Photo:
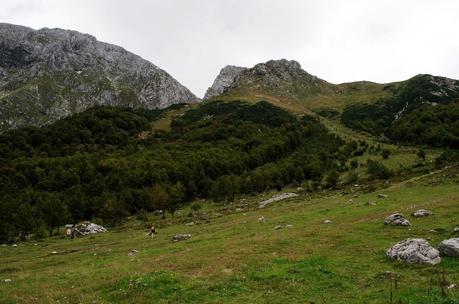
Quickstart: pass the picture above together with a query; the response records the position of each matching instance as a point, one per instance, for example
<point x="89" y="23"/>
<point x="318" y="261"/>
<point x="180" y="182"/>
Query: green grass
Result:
<point x="232" y="258"/>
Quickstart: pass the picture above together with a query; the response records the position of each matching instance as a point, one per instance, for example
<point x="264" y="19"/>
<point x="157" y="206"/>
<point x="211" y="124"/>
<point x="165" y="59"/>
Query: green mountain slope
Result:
<point x="383" y="110"/>
<point x="108" y="162"/>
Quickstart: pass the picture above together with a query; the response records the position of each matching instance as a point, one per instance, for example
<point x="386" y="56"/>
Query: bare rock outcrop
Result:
<point x="224" y="80"/>
<point x="276" y="198"/>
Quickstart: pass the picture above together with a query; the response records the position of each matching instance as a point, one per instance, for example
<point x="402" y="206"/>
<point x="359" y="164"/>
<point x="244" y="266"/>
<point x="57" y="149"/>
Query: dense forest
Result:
<point x="107" y="163"/>
<point x="421" y="111"/>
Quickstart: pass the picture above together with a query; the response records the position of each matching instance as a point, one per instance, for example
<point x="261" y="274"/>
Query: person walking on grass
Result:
<point x="152" y="231"/>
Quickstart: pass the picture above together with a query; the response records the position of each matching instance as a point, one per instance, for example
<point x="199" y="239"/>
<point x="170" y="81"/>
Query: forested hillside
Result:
<point x="422" y="110"/>
<point x="107" y="163"/>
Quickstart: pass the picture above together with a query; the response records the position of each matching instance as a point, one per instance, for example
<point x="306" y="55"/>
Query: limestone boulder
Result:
<point x="414" y="251"/>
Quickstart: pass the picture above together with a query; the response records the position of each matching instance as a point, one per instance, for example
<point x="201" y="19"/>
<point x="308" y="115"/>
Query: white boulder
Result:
<point x="414" y="251"/>
<point x="396" y="219"/>
<point x="181" y="237"/>
<point x="86" y="228"/>
<point x="449" y="247"/>
<point x="421" y="213"/>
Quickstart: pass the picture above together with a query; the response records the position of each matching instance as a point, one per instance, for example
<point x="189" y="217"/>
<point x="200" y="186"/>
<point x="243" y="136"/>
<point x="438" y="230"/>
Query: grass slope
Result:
<point x="232" y="258"/>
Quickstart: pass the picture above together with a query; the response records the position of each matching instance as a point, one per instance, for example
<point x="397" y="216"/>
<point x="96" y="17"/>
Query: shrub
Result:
<point x="377" y="170"/>
<point x="385" y="153"/>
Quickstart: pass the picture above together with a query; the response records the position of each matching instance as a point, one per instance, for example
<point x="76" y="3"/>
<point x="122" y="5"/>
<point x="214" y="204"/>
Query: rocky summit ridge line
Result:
<point x="48" y="74"/>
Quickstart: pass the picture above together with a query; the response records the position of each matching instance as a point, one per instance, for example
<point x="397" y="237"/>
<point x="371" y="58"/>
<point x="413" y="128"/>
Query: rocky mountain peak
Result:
<point x="224" y="80"/>
<point x="279" y="67"/>
<point x="47" y="74"/>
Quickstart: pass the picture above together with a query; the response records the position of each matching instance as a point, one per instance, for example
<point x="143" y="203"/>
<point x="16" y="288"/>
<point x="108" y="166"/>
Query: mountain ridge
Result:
<point x="47" y="74"/>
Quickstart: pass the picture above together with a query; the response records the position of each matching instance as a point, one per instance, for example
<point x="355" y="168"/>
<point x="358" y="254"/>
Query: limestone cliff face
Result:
<point x="47" y="74"/>
<point x="224" y="80"/>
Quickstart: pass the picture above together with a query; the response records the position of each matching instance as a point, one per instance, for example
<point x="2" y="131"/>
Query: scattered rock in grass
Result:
<point x="278" y="227"/>
<point x="421" y="213"/>
<point x="456" y="229"/>
<point x="327" y="222"/>
<point x="15" y="245"/>
<point x="181" y="237"/>
<point x="261" y="219"/>
<point x="86" y="228"/>
<point x="7" y="280"/>
<point x="276" y="198"/>
<point x="54" y="252"/>
<point x="351" y="200"/>
<point x="239" y="209"/>
<point x="369" y="204"/>
<point x="438" y="230"/>
<point x="382" y="195"/>
<point x="449" y="247"/>
<point x="190" y="224"/>
<point x="396" y="219"/>
<point x="451" y="286"/>
<point x="133" y="253"/>
<point x="288" y="226"/>
<point x="414" y="251"/>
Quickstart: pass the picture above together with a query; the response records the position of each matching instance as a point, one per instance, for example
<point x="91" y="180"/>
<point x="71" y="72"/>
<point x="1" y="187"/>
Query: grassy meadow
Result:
<point x="233" y="258"/>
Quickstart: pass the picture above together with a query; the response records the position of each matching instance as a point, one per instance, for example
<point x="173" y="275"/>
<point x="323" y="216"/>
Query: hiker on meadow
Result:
<point x="152" y="231"/>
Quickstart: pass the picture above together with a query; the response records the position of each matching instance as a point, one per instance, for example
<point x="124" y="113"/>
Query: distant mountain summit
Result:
<point x="272" y="80"/>
<point x="47" y="74"/>
<point x="224" y="80"/>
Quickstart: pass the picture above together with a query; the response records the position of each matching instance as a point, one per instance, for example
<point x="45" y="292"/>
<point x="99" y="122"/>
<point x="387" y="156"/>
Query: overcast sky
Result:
<point x="337" y="40"/>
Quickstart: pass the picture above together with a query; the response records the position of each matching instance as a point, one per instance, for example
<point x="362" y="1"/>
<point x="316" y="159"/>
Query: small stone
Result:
<point x="15" y="245"/>
<point x="7" y="280"/>
<point x="456" y="229"/>
<point x="288" y="226"/>
<point x="327" y="222"/>
<point x="189" y="224"/>
<point x="278" y="227"/>
<point x="396" y="219"/>
<point x="261" y="219"/>
<point x="421" y="213"/>
<point x="239" y="209"/>
<point x="181" y="237"/>
<point x="132" y="253"/>
<point x="54" y="252"/>
<point x="451" y="286"/>
<point x="382" y="195"/>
